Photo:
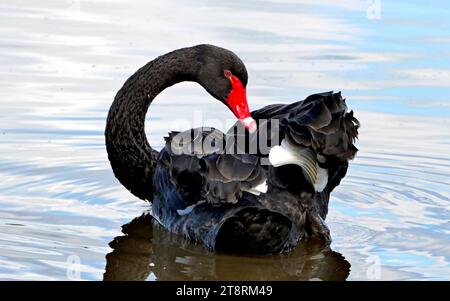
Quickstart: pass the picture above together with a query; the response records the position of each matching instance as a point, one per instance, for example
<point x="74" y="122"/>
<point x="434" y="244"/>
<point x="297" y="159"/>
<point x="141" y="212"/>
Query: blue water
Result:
<point x="63" y="61"/>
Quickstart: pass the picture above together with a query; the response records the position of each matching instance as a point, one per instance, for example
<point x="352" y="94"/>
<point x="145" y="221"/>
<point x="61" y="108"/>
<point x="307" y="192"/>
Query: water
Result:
<point x="63" y="61"/>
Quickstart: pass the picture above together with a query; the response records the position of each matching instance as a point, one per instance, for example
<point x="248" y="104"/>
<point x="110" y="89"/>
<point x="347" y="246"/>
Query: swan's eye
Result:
<point x="227" y="73"/>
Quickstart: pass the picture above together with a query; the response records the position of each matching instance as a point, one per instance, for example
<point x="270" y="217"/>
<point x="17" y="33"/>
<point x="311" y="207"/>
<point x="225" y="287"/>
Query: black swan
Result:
<point x="212" y="188"/>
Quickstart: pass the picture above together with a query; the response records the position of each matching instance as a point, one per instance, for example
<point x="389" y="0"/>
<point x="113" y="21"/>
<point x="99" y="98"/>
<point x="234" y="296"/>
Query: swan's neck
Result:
<point x="129" y="152"/>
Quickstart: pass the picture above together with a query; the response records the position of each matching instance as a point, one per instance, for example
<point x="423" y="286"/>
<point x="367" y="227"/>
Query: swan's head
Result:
<point x="224" y="76"/>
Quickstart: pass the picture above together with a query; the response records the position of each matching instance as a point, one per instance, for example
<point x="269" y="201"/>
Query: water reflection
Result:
<point x="147" y="251"/>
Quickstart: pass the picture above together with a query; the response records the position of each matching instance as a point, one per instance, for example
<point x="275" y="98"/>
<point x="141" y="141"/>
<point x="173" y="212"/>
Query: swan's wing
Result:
<point x="318" y="135"/>
<point x="200" y="171"/>
<point x="228" y="175"/>
<point x="321" y="122"/>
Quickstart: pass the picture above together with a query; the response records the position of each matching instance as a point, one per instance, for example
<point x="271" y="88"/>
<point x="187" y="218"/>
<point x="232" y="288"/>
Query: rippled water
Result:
<point x="61" y="209"/>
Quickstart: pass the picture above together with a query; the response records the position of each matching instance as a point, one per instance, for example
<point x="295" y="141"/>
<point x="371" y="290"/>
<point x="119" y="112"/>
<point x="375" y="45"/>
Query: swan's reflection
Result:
<point x="148" y="251"/>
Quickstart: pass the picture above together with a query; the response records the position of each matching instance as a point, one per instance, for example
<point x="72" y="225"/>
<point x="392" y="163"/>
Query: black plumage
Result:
<point x="200" y="187"/>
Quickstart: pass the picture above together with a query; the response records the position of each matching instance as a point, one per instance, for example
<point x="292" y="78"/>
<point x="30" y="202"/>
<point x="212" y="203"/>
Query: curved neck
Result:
<point x="129" y="152"/>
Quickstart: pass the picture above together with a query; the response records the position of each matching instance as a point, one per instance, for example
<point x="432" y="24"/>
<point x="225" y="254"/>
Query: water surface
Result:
<point x="62" y="211"/>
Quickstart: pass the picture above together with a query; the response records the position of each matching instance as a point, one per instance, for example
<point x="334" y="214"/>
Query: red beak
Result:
<point x="237" y="102"/>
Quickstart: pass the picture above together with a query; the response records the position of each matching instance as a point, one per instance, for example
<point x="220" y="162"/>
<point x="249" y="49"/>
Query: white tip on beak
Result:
<point x="250" y="124"/>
